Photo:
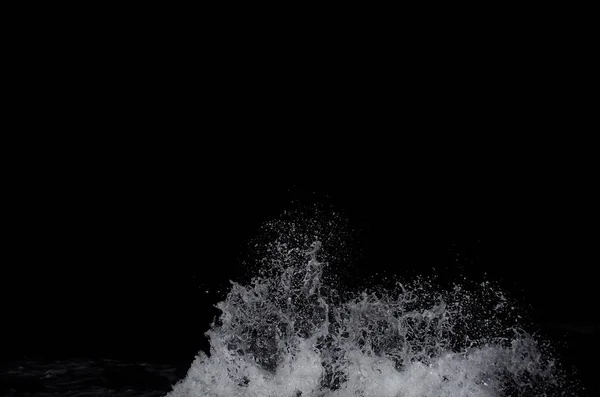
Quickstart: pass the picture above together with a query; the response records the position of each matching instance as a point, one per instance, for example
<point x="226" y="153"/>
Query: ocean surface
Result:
<point x="85" y="377"/>
<point x="100" y="377"/>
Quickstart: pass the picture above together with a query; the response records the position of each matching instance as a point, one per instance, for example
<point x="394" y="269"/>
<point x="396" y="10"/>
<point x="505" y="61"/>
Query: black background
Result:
<point x="137" y="195"/>
<point x="144" y="163"/>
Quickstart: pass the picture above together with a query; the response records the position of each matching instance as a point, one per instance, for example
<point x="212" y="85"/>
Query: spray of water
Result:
<point x="289" y="333"/>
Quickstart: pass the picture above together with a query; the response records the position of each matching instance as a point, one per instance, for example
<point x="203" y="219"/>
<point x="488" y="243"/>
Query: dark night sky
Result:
<point x="114" y="257"/>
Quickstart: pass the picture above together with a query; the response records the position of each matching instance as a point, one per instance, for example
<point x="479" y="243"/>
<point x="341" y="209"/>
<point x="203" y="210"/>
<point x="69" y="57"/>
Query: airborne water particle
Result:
<point x="288" y="333"/>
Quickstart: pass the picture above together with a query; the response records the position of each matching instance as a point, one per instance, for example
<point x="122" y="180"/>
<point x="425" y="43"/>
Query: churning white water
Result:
<point x="289" y="333"/>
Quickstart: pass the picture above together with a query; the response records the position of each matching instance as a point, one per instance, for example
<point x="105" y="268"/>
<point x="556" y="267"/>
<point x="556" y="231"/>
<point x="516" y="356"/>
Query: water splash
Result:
<point x="288" y="333"/>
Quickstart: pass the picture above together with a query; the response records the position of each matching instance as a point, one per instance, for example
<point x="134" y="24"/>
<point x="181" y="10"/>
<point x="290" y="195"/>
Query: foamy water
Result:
<point x="291" y="333"/>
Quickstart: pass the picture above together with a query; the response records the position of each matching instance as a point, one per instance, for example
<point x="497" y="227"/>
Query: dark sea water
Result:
<point x="86" y="377"/>
<point x="74" y="377"/>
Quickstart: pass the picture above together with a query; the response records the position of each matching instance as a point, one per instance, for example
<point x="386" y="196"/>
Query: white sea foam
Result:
<point x="288" y="334"/>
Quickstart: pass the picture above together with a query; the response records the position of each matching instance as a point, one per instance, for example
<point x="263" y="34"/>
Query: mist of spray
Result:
<point x="289" y="332"/>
